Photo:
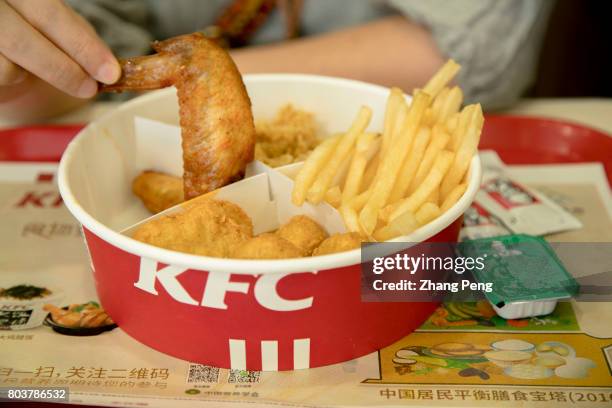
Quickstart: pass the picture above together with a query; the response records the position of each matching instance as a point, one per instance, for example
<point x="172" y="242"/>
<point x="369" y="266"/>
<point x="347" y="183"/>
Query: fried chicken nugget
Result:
<point x="303" y="232"/>
<point x="338" y="243"/>
<point x="233" y="211"/>
<point x="267" y="246"/>
<point x="206" y="227"/>
<point x="158" y="191"/>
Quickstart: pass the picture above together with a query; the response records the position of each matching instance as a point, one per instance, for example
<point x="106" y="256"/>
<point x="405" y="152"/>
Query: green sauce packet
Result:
<point x="521" y="268"/>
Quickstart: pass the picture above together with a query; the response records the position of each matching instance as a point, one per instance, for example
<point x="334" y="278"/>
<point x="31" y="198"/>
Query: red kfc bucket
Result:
<point x="247" y="314"/>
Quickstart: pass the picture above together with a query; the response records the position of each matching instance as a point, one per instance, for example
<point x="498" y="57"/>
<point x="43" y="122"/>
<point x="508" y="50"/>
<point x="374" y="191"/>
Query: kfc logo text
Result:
<point x="217" y="285"/>
<point x="40" y="199"/>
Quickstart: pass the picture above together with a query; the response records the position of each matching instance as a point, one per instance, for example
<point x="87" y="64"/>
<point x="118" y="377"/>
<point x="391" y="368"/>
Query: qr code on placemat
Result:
<point x="243" y="376"/>
<point x="199" y="373"/>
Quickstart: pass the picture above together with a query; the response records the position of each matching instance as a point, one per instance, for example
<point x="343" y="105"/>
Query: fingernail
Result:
<point x="19" y="77"/>
<point x="88" y="88"/>
<point x="108" y="73"/>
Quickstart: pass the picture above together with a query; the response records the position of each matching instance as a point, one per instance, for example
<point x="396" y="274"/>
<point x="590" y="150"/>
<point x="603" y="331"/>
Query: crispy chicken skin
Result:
<point x="158" y="191"/>
<point x="205" y="227"/>
<point x="218" y="133"/>
<point x="338" y="243"/>
<point x="303" y="232"/>
<point x="267" y="246"/>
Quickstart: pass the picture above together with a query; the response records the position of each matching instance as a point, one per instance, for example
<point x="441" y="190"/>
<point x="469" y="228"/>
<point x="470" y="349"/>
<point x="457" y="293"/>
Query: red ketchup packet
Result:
<point x="519" y="208"/>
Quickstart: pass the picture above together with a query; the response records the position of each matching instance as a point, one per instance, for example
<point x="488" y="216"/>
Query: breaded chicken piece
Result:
<point x="267" y="246"/>
<point x="303" y="232"/>
<point x="158" y="191"/>
<point x="206" y="227"/>
<point x="338" y="243"/>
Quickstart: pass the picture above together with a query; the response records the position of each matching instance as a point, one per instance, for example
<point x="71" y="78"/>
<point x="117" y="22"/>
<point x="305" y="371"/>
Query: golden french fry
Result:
<point x="370" y="172"/>
<point x="428" y="118"/>
<point x="385" y="213"/>
<point x="411" y="164"/>
<point x="427" y="212"/>
<point x="464" y="155"/>
<point x="439" y="140"/>
<point x="366" y="144"/>
<point x="391" y="164"/>
<point x="351" y="221"/>
<point x="394" y="101"/>
<point x="312" y="166"/>
<point x="334" y="196"/>
<point x="463" y="122"/>
<point x="451" y="104"/>
<point x="342" y="172"/>
<point x="404" y="224"/>
<point x="324" y="179"/>
<point x="454" y="196"/>
<point x="400" y="120"/>
<point x="451" y="123"/>
<point x="434" y="197"/>
<point x="441" y="78"/>
<point x="431" y="182"/>
<point x="358" y="202"/>
<point x="438" y="102"/>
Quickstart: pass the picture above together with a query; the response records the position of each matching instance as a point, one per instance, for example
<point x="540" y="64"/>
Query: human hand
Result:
<point x="49" y="40"/>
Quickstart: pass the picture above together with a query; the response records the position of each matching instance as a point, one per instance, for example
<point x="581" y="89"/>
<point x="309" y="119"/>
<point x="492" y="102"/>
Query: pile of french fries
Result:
<point x="388" y="185"/>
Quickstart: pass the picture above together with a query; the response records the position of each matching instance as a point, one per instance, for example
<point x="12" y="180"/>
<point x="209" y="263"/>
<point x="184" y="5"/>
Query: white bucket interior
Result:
<point x="98" y="167"/>
<point x="102" y="173"/>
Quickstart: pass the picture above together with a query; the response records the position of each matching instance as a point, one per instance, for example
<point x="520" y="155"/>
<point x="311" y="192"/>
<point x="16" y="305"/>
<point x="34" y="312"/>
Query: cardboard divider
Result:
<point x="152" y="137"/>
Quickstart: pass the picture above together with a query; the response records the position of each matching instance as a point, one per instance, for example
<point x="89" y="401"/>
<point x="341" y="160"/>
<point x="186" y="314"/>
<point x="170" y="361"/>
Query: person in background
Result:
<point x="54" y="53"/>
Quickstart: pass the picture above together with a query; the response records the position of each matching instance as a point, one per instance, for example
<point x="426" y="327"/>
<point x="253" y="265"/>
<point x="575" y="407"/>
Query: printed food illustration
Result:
<point x="496" y="358"/>
<point x="24" y="292"/>
<point x="21" y="306"/>
<point x="461" y="350"/>
<point x="456" y="314"/>
<point x="480" y="315"/>
<point x="79" y="319"/>
<point x="84" y="315"/>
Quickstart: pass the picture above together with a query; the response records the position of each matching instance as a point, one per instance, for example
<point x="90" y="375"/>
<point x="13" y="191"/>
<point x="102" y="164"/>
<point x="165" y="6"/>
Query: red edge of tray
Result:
<point x="39" y="143"/>
<point x="517" y="139"/>
<point x="535" y="140"/>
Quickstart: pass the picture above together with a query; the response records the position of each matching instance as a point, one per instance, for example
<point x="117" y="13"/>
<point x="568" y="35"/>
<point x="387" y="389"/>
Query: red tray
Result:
<point x="517" y="139"/>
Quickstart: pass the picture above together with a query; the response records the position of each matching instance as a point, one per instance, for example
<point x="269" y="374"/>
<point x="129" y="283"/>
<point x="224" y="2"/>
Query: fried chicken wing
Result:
<point x="158" y="191"/>
<point x="205" y="227"/>
<point x="218" y="133"/>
